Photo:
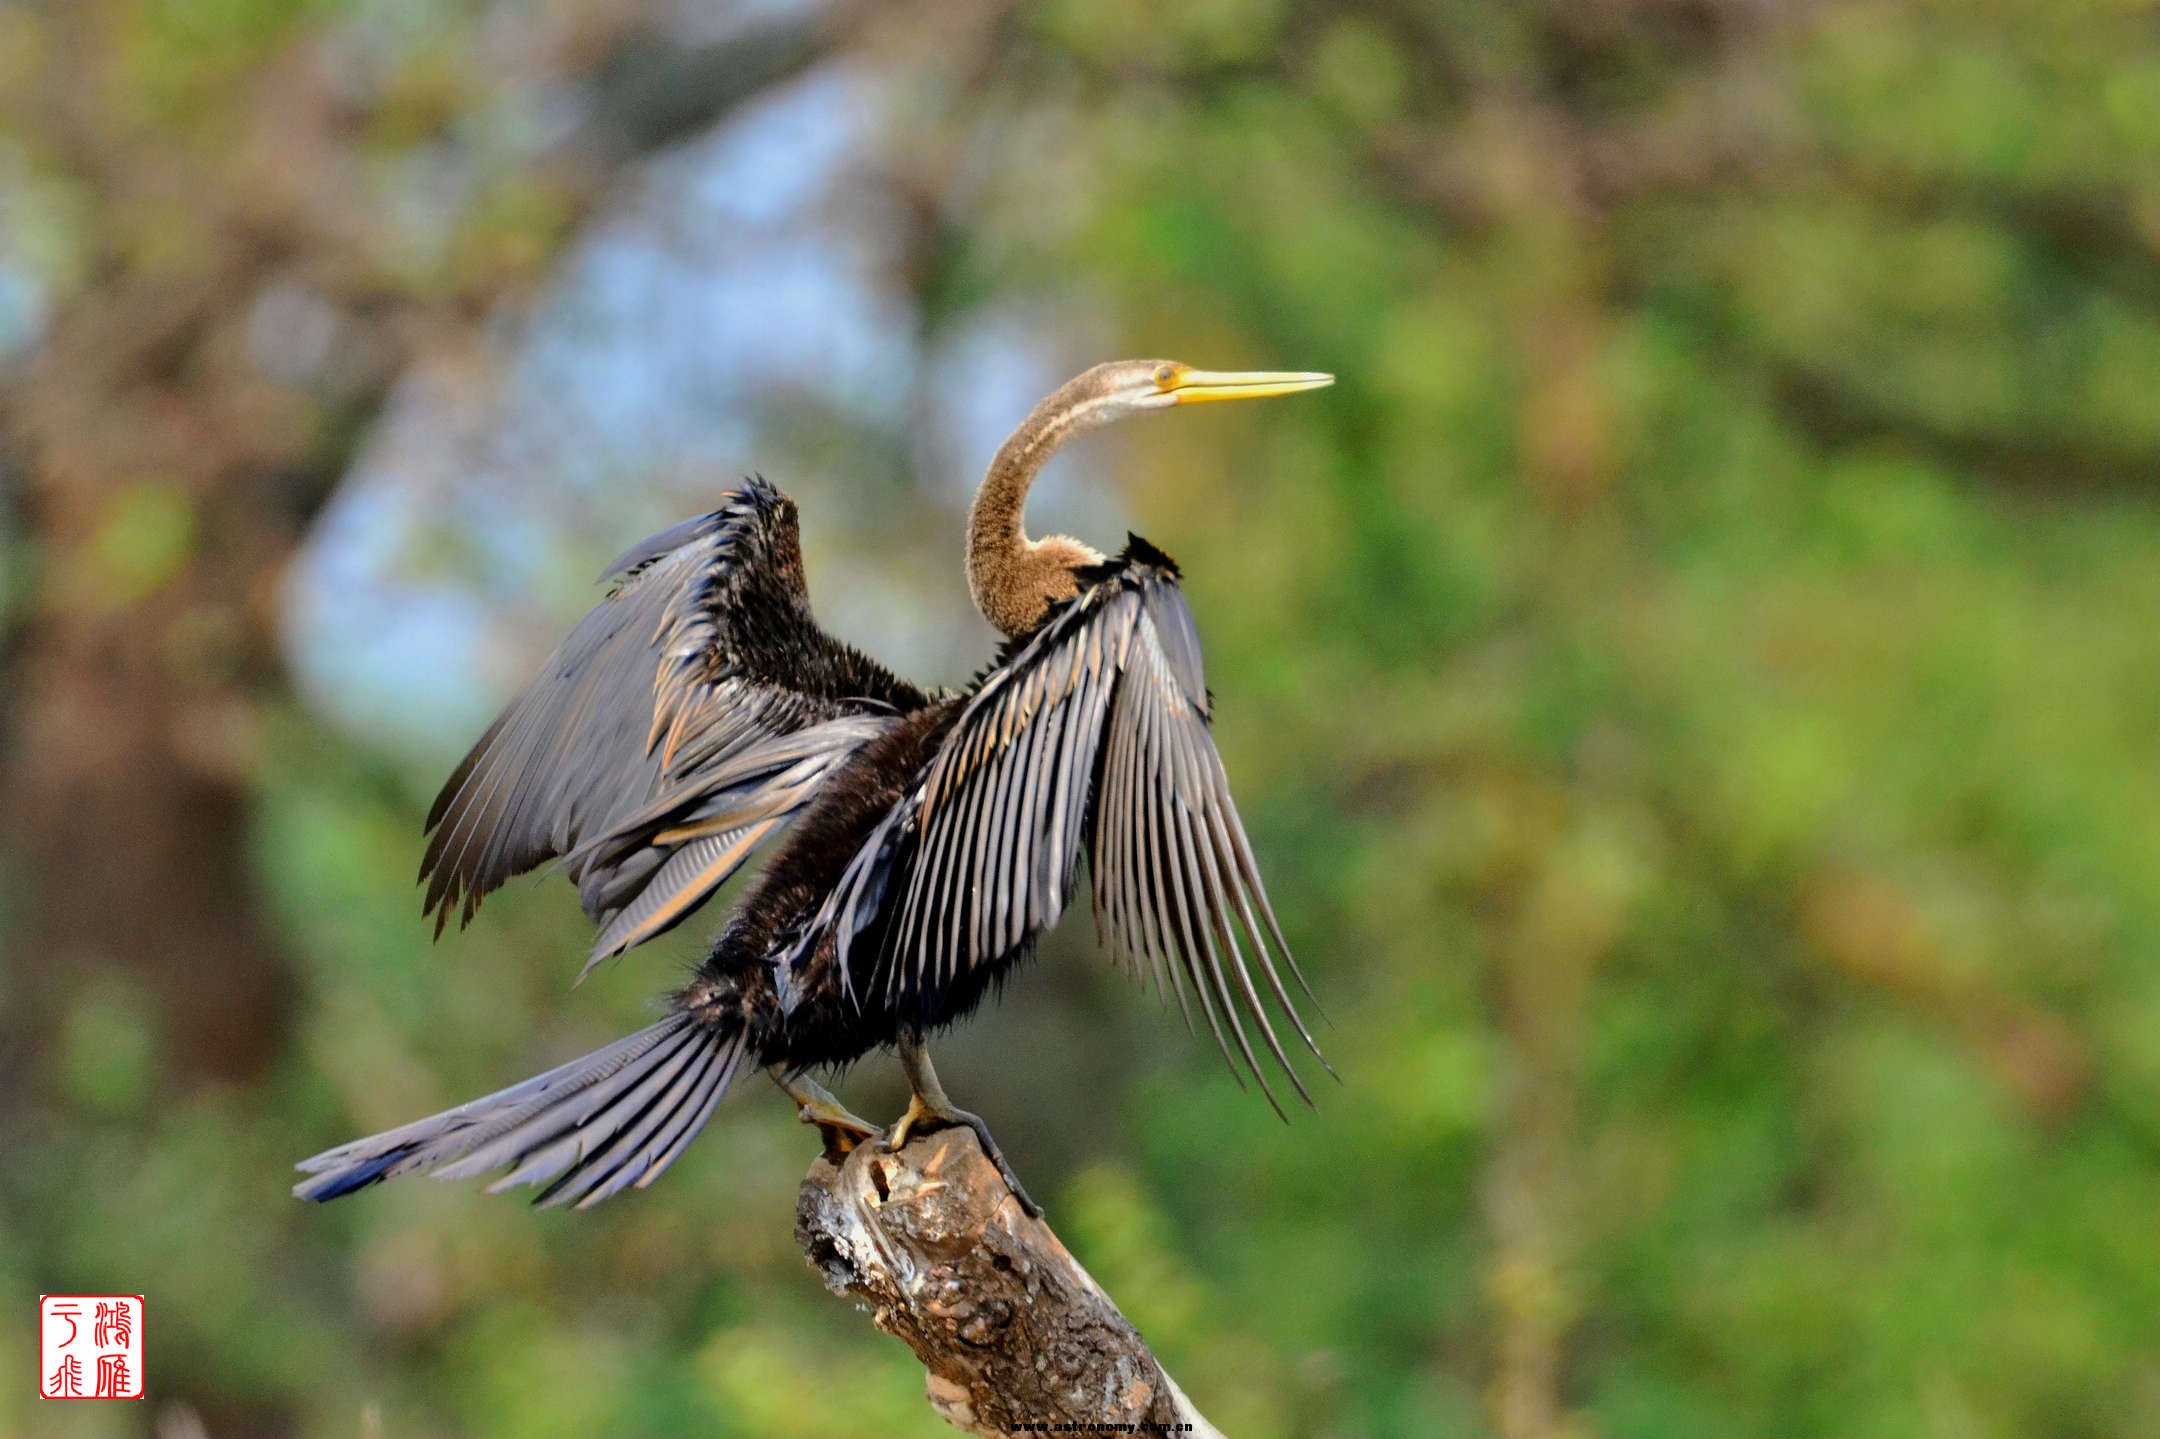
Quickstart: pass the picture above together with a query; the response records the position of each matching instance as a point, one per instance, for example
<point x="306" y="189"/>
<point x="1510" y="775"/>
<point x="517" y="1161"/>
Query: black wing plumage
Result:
<point x="1091" y="737"/>
<point x="692" y="712"/>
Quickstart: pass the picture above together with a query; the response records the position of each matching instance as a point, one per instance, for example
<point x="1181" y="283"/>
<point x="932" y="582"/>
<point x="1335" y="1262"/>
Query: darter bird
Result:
<point x="922" y="840"/>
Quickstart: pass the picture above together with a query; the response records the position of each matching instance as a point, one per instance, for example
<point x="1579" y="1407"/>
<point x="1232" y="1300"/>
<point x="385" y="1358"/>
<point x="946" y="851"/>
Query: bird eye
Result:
<point x="1165" y="375"/>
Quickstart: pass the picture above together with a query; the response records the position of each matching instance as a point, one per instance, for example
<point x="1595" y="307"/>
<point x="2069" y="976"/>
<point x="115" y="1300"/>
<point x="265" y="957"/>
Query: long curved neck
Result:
<point x="1014" y="579"/>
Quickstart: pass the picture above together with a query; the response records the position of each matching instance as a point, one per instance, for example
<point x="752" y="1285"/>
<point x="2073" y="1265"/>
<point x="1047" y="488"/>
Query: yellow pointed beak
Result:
<point x="1192" y="387"/>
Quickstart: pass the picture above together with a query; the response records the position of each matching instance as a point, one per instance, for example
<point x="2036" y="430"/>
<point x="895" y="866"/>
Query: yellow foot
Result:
<point x="897" y="1137"/>
<point x="922" y="1117"/>
<point x="840" y="1130"/>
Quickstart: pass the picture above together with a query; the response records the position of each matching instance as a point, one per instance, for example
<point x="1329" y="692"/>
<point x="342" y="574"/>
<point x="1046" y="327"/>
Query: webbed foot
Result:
<point x="923" y="1116"/>
<point x="817" y="1106"/>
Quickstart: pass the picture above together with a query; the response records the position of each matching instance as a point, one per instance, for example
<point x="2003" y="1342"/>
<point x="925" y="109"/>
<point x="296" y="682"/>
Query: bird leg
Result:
<point x="929" y="1107"/>
<point x="842" y="1131"/>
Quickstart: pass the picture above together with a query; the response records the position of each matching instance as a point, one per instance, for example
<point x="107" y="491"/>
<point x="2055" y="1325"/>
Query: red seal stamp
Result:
<point x="90" y="1346"/>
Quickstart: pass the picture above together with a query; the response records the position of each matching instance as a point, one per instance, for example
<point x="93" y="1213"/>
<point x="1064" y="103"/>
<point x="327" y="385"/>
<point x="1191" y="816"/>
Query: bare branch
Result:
<point x="1010" y="1328"/>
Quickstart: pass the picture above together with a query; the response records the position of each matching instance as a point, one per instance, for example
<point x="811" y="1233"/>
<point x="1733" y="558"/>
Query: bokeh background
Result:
<point x="1694" y="684"/>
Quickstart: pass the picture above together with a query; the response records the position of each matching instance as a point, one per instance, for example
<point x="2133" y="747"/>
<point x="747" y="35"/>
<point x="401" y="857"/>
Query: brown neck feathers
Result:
<point x="1015" y="579"/>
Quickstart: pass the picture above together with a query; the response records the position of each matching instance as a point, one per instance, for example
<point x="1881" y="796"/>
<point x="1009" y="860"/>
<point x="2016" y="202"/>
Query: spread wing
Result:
<point x="691" y="713"/>
<point x="1091" y="738"/>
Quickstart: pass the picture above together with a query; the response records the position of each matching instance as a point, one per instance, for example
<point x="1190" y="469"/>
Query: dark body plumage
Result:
<point x="795" y="1006"/>
<point x="926" y="840"/>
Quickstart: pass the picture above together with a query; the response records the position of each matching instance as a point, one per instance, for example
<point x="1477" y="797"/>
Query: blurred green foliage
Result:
<point x="1694" y="686"/>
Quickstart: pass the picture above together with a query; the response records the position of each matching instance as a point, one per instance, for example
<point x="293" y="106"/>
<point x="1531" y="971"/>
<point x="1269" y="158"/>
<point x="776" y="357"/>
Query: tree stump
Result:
<point x="1016" y="1338"/>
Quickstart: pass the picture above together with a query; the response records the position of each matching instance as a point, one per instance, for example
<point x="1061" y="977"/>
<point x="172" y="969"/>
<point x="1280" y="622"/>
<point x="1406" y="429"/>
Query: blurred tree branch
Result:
<point x="167" y="462"/>
<point x="651" y="92"/>
<point x="1010" y="1329"/>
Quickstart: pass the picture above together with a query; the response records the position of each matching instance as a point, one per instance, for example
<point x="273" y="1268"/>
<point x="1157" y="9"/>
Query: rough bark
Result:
<point x="1015" y="1337"/>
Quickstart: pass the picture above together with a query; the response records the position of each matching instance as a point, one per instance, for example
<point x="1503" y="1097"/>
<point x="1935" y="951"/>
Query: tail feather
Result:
<point x="628" y="1157"/>
<point x="616" y="1117"/>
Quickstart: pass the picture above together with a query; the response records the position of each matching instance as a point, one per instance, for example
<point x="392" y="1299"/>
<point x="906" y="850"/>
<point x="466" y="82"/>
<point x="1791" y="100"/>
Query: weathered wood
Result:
<point x="1016" y="1338"/>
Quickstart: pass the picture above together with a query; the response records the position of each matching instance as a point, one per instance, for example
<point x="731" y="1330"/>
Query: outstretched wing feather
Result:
<point x="1091" y="737"/>
<point x="646" y="735"/>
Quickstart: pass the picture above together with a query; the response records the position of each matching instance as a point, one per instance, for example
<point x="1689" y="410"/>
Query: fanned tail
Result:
<point x="618" y="1116"/>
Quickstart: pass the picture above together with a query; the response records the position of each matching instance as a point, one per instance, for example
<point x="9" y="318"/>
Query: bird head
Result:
<point x="1121" y="388"/>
